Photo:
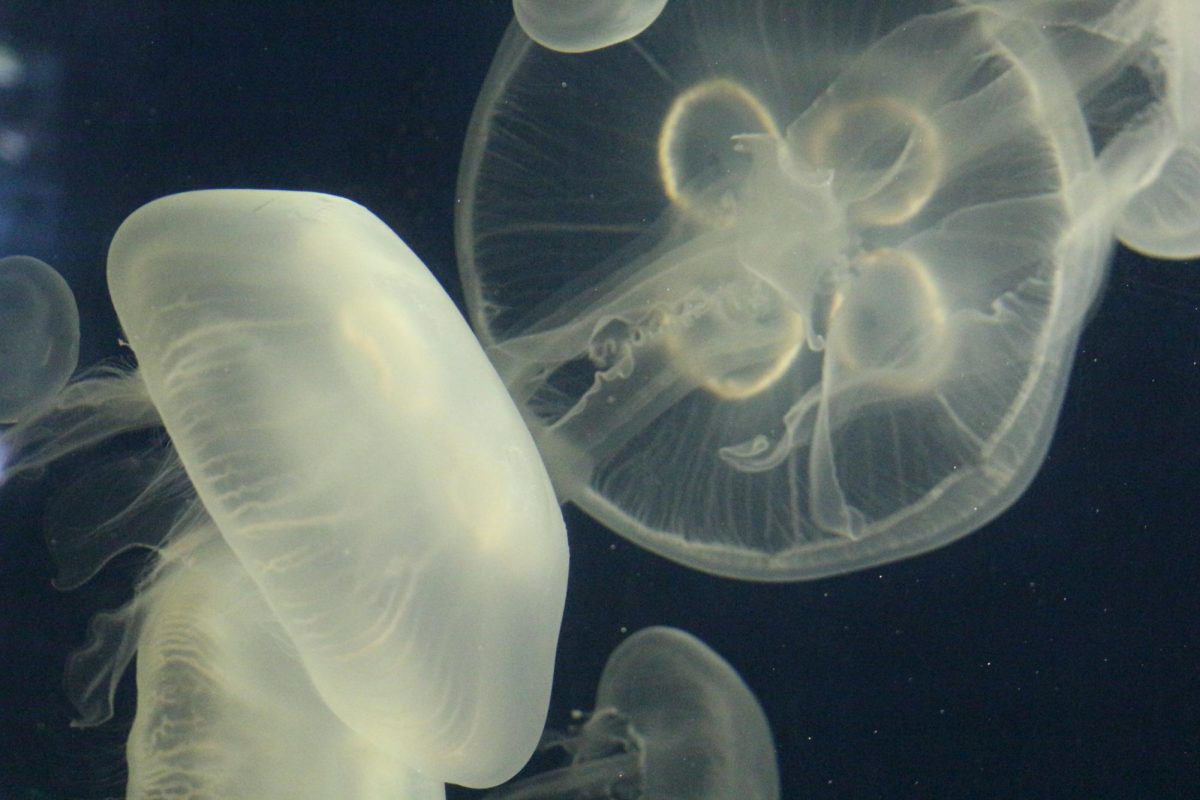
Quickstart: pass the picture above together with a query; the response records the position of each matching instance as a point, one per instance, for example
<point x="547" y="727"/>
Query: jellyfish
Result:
<point x="225" y="708"/>
<point x="39" y="335"/>
<point x="372" y="494"/>
<point x="783" y="293"/>
<point x="1137" y="76"/>
<point x="577" y="26"/>
<point x="672" y="720"/>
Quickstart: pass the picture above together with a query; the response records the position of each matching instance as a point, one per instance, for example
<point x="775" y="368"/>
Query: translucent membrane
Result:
<point x="784" y="293"/>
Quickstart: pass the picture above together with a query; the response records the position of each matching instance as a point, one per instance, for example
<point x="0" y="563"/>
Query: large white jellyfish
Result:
<point x="39" y="335"/>
<point x="576" y="26"/>
<point x="673" y="720"/>
<point x="365" y="530"/>
<point x="784" y="292"/>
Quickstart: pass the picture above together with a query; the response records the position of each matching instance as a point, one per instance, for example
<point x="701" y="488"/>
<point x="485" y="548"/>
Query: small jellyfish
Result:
<point x="577" y="26"/>
<point x="331" y="415"/>
<point x="672" y="720"/>
<point x="39" y="335"/>
<point x="779" y="293"/>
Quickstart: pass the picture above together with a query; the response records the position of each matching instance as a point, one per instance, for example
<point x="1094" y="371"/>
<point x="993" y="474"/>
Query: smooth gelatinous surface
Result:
<point x="39" y="333"/>
<point x="784" y="293"/>
<point x="576" y="26"/>
<point x="360" y="457"/>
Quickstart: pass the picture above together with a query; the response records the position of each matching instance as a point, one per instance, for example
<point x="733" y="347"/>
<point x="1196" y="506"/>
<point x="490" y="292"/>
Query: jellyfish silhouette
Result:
<point x="784" y="293"/>
<point x="672" y="720"/>
<point x="576" y="26"/>
<point x="347" y="462"/>
<point x="39" y="335"/>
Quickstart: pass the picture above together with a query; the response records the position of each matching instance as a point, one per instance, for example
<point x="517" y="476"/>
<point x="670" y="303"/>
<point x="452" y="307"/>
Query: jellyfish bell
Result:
<point x="331" y="415"/>
<point x="701" y="731"/>
<point x="781" y="295"/>
<point x="672" y="719"/>
<point x="577" y="26"/>
<point x="342" y="427"/>
<point x="39" y="335"/>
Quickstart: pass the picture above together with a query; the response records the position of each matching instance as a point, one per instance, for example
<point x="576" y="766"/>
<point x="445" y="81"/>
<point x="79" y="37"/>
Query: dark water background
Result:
<point x="1055" y="653"/>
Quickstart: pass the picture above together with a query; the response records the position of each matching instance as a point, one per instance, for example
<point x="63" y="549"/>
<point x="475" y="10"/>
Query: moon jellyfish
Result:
<point x="672" y="720"/>
<point x="784" y="293"/>
<point x="333" y="418"/>
<point x="225" y="708"/>
<point x="1137" y="74"/>
<point x="576" y="26"/>
<point x="39" y="335"/>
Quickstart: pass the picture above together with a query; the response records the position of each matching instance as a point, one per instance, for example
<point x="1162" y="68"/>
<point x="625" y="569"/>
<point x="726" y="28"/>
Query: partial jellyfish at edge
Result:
<point x="1136" y="72"/>
<point x="577" y="26"/>
<point x="39" y="335"/>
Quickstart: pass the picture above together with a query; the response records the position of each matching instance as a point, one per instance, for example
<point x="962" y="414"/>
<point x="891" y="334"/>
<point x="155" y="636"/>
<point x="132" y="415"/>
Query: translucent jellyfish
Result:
<point x="672" y="720"/>
<point x="577" y="26"/>
<point x="1137" y="73"/>
<point x="337" y="423"/>
<point x="225" y="708"/>
<point x="39" y="334"/>
<point x="784" y="293"/>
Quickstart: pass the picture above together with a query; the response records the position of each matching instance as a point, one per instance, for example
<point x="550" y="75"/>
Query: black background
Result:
<point x="1054" y="653"/>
